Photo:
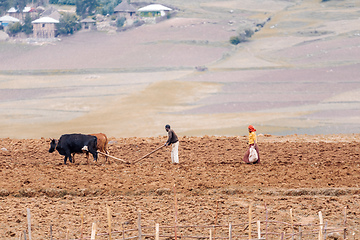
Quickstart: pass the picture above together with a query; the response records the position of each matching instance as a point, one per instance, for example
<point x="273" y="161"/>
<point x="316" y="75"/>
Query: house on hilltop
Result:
<point x="31" y="11"/>
<point x="13" y="12"/>
<point x="88" y="23"/>
<point x="52" y="13"/>
<point x="124" y="9"/>
<point x="154" y="13"/>
<point x="6" y="20"/>
<point x="44" y="27"/>
<point x="154" y="10"/>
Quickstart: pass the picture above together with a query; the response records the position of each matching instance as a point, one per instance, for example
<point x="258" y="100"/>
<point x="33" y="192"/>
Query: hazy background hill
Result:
<point x="298" y="74"/>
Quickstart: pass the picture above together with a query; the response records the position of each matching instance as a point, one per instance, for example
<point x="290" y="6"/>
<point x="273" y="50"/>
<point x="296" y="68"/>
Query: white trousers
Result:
<point x="175" y="152"/>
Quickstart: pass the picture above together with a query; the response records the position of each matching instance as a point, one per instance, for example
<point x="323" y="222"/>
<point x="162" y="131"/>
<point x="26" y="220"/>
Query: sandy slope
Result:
<point x="298" y="74"/>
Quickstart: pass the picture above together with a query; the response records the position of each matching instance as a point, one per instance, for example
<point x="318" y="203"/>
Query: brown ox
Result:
<point x="102" y="142"/>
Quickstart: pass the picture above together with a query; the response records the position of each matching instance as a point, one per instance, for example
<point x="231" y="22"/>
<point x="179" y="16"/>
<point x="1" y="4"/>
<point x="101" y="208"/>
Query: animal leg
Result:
<point x="95" y="156"/>
<point x="70" y="158"/>
<point x="94" y="153"/>
<point x="105" y="148"/>
<point x="106" y="157"/>
<point x="87" y="157"/>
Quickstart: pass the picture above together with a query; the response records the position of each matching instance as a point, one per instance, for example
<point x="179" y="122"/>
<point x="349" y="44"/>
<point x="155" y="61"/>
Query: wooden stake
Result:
<point x="24" y="234"/>
<point x="258" y="229"/>
<point x="321" y="226"/>
<point x="67" y="234"/>
<point x="139" y="225"/>
<point x="250" y="219"/>
<point x="109" y="220"/>
<point x="157" y="231"/>
<point x="93" y="231"/>
<point x="266" y="220"/>
<point x="51" y="237"/>
<point x="345" y="222"/>
<point x="210" y="237"/>
<point x="175" y="216"/>
<point x="282" y="236"/>
<point x="325" y="229"/>
<point x="148" y="154"/>
<point x="29" y="222"/>
<point x="216" y="216"/>
<point x="82" y="226"/>
<point x="113" y="157"/>
<point x="292" y="223"/>
<point x="230" y="231"/>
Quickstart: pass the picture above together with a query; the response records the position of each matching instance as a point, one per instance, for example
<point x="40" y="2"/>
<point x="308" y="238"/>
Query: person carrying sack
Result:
<point x="252" y="154"/>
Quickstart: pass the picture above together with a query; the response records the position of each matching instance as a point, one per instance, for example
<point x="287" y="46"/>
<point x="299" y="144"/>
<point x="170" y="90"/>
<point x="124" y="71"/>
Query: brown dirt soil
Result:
<point x="306" y="173"/>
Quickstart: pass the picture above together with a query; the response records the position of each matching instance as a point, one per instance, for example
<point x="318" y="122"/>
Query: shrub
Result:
<point x="69" y="23"/>
<point x="120" y="22"/>
<point x="14" y="28"/>
<point x="242" y="37"/>
<point x="234" y="40"/>
<point x="27" y="28"/>
<point x="249" y="33"/>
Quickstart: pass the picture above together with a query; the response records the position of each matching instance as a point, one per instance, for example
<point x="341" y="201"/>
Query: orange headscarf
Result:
<point x="251" y="128"/>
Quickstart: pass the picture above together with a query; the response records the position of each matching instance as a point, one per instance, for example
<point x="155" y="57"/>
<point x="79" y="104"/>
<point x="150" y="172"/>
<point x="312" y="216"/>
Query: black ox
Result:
<point x="74" y="143"/>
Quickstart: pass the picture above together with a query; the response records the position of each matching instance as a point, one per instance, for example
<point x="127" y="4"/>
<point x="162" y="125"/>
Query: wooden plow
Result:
<point x="136" y="161"/>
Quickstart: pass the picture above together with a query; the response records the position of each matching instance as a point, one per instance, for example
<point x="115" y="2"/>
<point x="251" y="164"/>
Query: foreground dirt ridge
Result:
<point x="305" y="173"/>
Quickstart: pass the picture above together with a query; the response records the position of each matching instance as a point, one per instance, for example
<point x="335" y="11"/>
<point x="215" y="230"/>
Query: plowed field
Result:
<point x="307" y="174"/>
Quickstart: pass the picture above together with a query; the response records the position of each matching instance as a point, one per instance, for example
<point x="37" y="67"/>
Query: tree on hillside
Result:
<point x="4" y="6"/>
<point x="86" y="8"/>
<point x="14" y="29"/>
<point x="120" y="22"/>
<point x="20" y="4"/>
<point x="242" y="37"/>
<point x="63" y="2"/>
<point x="27" y="28"/>
<point x="107" y="6"/>
<point x="248" y="33"/>
<point x="68" y="24"/>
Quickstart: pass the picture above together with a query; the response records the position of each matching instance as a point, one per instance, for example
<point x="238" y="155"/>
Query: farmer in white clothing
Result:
<point x="174" y="141"/>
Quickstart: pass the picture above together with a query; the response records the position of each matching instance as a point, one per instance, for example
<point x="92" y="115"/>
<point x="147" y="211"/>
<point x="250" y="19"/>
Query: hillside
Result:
<point x="298" y="74"/>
